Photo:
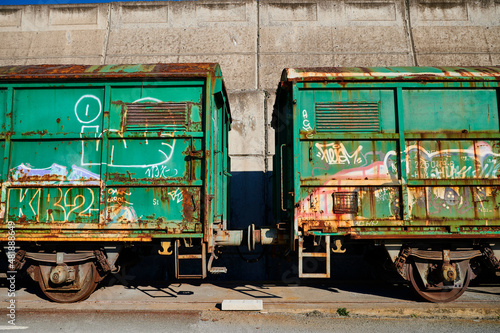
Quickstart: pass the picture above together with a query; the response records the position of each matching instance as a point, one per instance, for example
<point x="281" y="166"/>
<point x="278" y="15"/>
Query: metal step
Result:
<point x="303" y="255"/>
<point x="218" y="270"/>
<point x="201" y="256"/>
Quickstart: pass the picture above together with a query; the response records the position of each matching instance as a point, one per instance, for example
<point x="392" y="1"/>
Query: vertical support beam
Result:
<point x="301" y="256"/>
<point x="104" y="152"/>
<point x="208" y="185"/>
<point x="9" y="102"/>
<point x="403" y="157"/>
<point x="296" y="163"/>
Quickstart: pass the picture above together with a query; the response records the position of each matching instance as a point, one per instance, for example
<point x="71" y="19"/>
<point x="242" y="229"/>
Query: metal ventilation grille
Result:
<point x="345" y="202"/>
<point x="156" y="116"/>
<point x="347" y="117"/>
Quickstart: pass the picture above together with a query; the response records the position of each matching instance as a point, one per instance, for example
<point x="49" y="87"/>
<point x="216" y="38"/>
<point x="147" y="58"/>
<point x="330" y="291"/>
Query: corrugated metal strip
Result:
<point x="153" y="116"/>
<point x="347" y="117"/>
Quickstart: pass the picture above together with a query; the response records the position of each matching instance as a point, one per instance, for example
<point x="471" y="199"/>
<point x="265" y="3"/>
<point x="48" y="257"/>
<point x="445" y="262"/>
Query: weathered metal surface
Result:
<point x="392" y="73"/>
<point x="57" y="72"/>
<point x="103" y="153"/>
<point x="389" y="153"/>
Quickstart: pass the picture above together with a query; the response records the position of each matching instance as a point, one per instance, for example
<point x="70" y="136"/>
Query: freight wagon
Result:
<point x="407" y="158"/>
<point x="98" y="158"/>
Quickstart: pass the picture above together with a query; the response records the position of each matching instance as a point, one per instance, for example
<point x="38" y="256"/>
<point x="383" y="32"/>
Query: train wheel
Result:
<point x="88" y="279"/>
<point x="438" y="293"/>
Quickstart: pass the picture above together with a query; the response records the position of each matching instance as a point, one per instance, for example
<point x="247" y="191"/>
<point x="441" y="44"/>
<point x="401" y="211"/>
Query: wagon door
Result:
<point x="54" y="169"/>
<point x="347" y="160"/>
<point x="154" y="177"/>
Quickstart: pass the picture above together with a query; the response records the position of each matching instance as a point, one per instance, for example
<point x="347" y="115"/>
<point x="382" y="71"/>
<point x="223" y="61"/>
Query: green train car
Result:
<point x="97" y="157"/>
<point x="407" y="158"/>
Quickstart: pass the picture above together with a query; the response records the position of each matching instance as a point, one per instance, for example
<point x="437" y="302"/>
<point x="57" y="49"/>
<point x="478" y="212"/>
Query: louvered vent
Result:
<point x="347" y="117"/>
<point x="156" y="116"/>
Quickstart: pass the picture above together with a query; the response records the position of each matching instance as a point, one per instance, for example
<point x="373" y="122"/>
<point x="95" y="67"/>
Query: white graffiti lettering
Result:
<point x="176" y="195"/>
<point x="336" y="153"/>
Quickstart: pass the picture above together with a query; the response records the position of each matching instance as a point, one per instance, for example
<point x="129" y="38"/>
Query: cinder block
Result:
<point x="15" y="44"/>
<point x="143" y="13"/>
<point x="242" y="305"/>
<point x="307" y="13"/>
<point x="78" y="43"/>
<point x="64" y="60"/>
<point x="371" y="11"/>
<point x="450" y="40"/>
<point x="190" y="14"/>
<point x="209" y="40"/>
<point x="495" y="59"/>
<point x="73" y="15"/>
<point x="292" y="11"/>
<point x="493" y="38"/>
<point x="221" y="12"/>
<point x="145" y="42"/>
<point x="10" y="17"/>
<point x="296" y="39"/>
<point x="457" y="59"/>
<point x="65" y="17"/>
<point x="247" y="135"/>
<point x="370" y="39"/>
<point x="442" y="11"/>
<point x="247" y="163"/>
<point x="12" y="62"/>
<point x="140" y="59"/>
<point x="374" y="60"/>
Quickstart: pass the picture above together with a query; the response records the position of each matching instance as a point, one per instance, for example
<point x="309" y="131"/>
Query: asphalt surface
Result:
<point x="360" y="299"/>
<point x="218" y="322"/>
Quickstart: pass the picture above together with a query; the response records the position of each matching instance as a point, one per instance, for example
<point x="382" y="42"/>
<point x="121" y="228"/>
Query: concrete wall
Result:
<point x="253" y="41"/>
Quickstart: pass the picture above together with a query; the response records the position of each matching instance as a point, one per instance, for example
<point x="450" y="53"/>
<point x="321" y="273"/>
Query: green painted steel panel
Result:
<point x="154" y="159"/>
<point x="71" y="111"/>
<point x="2" y="152"/>
<point x="453" y="159"/>
<point x="54" y="161"/>
<point x="450" y="110"/>
<point x="3" y="111"/>
<point x="371" y="203"/>
<point x="328" y="161"/>
<point x="309" y="100"/>
<point x="171" y="209"/>
<point x="49" y="205"/>
<point x="454" y="203"/>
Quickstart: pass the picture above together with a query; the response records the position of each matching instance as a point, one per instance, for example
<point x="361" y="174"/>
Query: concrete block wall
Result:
<point x="253" y="41"/>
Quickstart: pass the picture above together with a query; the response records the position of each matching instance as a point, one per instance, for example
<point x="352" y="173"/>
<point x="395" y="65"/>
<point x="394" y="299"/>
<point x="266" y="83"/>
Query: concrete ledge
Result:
<point x="242" y="305"/>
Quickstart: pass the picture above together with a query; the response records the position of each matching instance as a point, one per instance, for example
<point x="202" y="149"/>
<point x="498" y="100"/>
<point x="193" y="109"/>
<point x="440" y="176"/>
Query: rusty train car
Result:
<point x="98" y="158"/>
<point x="95" y="157"/>
<point x="407" y="158"/>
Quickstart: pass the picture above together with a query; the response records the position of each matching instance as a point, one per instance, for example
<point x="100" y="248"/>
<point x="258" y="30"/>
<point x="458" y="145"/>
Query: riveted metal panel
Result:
<point x="462" y="110"/>
<point x="53" y="205"/>
<point x="46" y="112"/>
<point x="430" y="171"/>
<point x="114" y="153"/>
